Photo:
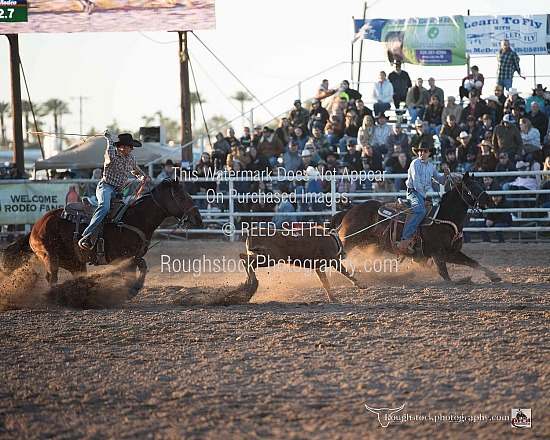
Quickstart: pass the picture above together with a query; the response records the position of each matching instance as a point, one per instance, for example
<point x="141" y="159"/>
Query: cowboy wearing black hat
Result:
<point x="419" y="182"/>
<point x="119" y="161"/>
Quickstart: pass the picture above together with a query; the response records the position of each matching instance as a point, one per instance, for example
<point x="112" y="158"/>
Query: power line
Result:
<point x="234" y="76"/>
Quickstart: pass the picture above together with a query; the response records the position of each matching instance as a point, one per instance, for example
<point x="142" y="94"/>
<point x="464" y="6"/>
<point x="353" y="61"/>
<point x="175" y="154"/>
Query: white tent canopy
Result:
<point x="90" y="154"/>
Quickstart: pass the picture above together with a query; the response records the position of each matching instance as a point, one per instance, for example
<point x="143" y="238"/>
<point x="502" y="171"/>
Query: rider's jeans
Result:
<point x="104" y="193"/>
<point x="419" y="211"/>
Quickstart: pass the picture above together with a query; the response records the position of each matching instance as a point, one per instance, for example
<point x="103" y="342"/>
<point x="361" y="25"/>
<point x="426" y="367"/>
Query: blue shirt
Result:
<point x="420" y="176"/>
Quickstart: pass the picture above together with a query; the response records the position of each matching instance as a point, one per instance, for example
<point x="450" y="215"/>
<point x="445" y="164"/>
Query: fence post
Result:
<point x="231" y="212"/>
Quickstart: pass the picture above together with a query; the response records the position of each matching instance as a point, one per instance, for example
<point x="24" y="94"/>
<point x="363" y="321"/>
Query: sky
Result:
<point x="271" y="47"/>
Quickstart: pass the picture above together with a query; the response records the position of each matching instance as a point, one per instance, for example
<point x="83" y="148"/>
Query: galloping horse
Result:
<point x="51" y="238"/>
<point x="442" y="240"/>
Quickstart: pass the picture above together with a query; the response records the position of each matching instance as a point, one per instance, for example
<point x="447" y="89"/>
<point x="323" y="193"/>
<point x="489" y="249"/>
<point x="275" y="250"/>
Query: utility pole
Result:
<point x="16" y="107"/>
<point x="80" y="99"/>
<point x="186" y="129"/>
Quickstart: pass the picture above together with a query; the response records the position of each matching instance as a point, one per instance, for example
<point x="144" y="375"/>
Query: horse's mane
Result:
<point x="162" y="186"/>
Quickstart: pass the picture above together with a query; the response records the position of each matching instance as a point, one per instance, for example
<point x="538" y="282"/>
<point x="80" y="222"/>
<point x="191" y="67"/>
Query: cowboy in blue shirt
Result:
<point x="420" y="175"/>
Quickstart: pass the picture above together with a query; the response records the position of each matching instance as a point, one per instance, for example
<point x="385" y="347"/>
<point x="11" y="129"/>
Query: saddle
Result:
<point x="399" y="213"/>
<point x="81" y="213"/>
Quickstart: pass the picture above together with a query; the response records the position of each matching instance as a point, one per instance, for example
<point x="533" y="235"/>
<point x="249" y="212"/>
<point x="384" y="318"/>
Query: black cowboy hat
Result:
<point x="539" y="87"/>
<point x="424" y="146"/>
<point x="328" y="153"/>
<point x="127" y="139"/>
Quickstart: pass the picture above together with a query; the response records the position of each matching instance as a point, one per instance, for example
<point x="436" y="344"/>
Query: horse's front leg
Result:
<point x="440" y="259"/>
<point x="135" y="283"/>
<point x="463" y="259"/>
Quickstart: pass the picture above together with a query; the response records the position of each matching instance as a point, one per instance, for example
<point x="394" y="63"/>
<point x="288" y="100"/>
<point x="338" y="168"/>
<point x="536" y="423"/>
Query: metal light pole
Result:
<point x="80" y="99"/>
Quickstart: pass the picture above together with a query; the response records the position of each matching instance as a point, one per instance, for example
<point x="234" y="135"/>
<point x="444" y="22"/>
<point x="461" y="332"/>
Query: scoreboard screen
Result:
<point x="65" y="16"/>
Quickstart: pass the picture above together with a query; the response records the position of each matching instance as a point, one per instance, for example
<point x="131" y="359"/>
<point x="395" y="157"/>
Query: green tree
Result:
<point x="242" y="97"/>
<point x="57" y="109"/>
<point x="5" y="109"/>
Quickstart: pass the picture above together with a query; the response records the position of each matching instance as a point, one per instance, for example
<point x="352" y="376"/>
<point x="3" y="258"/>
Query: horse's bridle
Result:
<point x="475" y="206"/>
<point x="186" y="211"/>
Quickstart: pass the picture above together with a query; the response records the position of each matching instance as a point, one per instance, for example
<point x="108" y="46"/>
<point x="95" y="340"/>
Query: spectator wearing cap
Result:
<point x="473" y="81"/>
<point x="4" y="172"/>
<point x="514" y="100"/>
<point x="471" y="127"/>
<point x="257" y="135"/>
<point x="475" y="108"/>
<point x="538" y="97"/>
<point x="271" y="146"/>
<point x="230" y="137"/>
<point x="353" y="94"/>
<point x="371" y="160"/>
<point x="352" y="123"/>
<point x="246" y="138"/>
<point x="397" y="137"/>
<point x="486" y="159"/>
<point x="433" y="115"/>
<point x="166" y="173"/>
<point x="416" y="100"/>
<point x="317" y="143"/>
<point x="13" y="171"/>
<point x="353" y="156"/>
<point x="448" y="134"/>
<point x="507" y="64"/>
<point x="317" y="114"/>
<point x="382" y="93"/>
<point x="292" y="160"/>
<point x="504" y="165"/>
<point x="298" y="115"/>
<point x="522" y="182"/>
<point x="422" y="135"/>
<point x="382" y="132"/>
<point x="451" y="108"/>
<point x="401" y="82"/>
<point x="494" y="109"/>
<point x="466" y="151"/>
<point x="538" y="119"/>
<point x="507" y="138"/>
<point x="486" y="128"/>
<point x="516" y="114"/>
<point x="434" y="90"/>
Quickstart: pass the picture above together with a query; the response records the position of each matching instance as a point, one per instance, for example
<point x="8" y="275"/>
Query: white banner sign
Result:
<point x="527" y="33"/>
<point x="25" y="203"/>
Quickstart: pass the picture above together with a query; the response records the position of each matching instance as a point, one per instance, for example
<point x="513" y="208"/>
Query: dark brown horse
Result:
<point x="51" y="238"/>
<point x="442" y="241"/>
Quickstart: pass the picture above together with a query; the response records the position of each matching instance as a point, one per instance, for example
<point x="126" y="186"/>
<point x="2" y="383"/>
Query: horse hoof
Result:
<point x="131" y="294"/>
<point x="361" y="286"/>
<point x="496" y="279"/>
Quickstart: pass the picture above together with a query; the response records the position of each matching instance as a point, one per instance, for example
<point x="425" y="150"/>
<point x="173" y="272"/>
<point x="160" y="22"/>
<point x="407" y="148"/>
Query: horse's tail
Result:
<point x="16" y="254"/>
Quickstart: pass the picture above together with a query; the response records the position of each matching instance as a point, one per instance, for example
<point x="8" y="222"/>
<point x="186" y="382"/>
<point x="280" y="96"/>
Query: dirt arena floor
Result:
<point x="287" y="365"/>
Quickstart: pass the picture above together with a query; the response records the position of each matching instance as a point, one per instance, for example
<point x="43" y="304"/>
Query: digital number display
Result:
<point x="13" y="11"/>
